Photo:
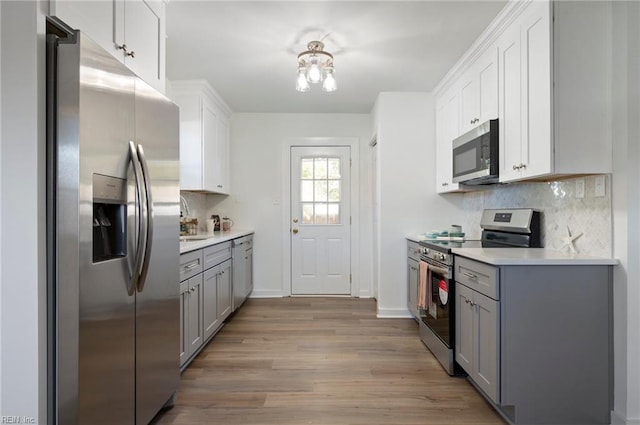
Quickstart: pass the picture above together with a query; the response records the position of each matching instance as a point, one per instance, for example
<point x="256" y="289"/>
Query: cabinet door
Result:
<point x="249" y="272"/>
<point x="224" y="290"/>
<point x="184" y="319"/>
<point x="487" y="71"/>
<point x="510" y="103"/>
<point x="464" y="328"/>
<point x="195" y="328"/>
<point x="209" y="146"/>
<point x="450" y="129"/>
<point x="412" y="286"/>
<point x="469" y="101"/>
<point x="209" y="301"/>
<point x="536" y="90"/>
<point x="222" y="157"/>
<point x="143" y="29"/>
<point x="485" y="341"/>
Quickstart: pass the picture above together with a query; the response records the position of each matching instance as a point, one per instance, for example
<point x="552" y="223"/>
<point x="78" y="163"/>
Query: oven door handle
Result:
<point x="438" y="269"/>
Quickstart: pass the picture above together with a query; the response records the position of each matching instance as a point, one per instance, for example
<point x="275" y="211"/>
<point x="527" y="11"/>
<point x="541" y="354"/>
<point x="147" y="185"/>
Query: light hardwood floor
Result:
<point x="321" y="361"/>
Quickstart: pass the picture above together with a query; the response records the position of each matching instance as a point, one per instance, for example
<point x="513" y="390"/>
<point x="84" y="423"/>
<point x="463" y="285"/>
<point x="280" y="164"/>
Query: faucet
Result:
<point x="183" y="202"/>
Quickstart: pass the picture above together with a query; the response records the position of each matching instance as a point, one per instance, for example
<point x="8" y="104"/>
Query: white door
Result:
<point x="320" y="220"/>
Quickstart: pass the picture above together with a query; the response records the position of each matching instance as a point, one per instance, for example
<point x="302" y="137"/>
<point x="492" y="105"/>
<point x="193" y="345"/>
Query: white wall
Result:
<point x="405" y="127"/>
<point x="256" y="185"/>
<point x="626" y="211"/>
<point x="23" y="292"/>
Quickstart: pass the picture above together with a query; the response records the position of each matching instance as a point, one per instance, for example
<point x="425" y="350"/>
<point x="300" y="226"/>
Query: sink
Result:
<point x="192" y="238"/>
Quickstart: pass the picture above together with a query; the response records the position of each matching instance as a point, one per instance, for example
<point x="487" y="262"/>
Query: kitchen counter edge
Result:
<point x="531" y="256"/>
<point x="213" y="239"/>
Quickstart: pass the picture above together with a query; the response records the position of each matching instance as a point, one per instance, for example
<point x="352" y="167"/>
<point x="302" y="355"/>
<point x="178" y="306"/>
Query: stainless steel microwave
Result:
<point x="475" y="155"/>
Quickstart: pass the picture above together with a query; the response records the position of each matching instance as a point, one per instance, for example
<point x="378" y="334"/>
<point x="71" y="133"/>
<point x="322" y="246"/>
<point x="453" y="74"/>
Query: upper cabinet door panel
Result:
<point x="488" y="85"/>
<point x="142" y="32"/>
<point x="510" y="104"/>
<point x="209" y="146"/>
<point x="536" y="86"/>
<point x="469" y="102"/>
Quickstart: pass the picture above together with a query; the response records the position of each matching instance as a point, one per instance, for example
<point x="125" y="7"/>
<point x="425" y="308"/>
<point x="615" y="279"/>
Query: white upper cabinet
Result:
<point x="447" y="129"/>
<point x="554" y="59"/>
<point x="204" y="137"/>
<point x="542" y="69"/>
<point x="133" y="31"/>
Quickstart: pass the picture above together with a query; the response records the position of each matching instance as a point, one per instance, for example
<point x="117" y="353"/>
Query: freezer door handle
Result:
<point x="149" y="219"/>
<point x="141" y="220"/>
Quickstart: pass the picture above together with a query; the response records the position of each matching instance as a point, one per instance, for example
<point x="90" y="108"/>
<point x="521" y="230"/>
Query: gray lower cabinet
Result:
<point x="477" y="339"/>
<point x="536" y="340"/>
<point x="206" y="297"/>
<point x="413" y="276"/>
<point x="242" y="282"/>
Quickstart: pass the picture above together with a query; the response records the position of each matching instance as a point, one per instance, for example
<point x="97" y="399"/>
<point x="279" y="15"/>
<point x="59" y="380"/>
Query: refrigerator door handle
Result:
<point x="142" y="223"/>
<point x="150" y="223"/>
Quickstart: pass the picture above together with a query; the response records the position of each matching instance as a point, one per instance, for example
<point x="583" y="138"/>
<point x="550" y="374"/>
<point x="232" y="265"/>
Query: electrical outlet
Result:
<point x="580" y="188"/>
<point x="600" y="190"/>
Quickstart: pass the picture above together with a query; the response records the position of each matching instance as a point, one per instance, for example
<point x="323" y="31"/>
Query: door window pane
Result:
<point x="321" y="191"/>
<point x="320" y="170"/>
<point x="306" y="190"/>
<point x="321" y="213"/>
<point x="307" y="213"/>
<point x="334" y="168"/>
<point x="334" y="190"/>
<point x="307" y="168"/>
<point x="334" y="214"/>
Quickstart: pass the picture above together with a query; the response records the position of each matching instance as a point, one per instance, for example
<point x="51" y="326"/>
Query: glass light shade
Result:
<point x="314" y="73"/>
<point x="329" y="83"/>
<point x="301" y="82"/>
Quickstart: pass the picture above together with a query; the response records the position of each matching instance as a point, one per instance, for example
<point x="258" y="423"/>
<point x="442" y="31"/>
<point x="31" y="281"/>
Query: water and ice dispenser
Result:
<point x="109" y="218"/>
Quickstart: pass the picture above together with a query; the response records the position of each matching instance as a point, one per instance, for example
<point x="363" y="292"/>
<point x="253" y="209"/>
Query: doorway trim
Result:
<point x="354" y="144"/>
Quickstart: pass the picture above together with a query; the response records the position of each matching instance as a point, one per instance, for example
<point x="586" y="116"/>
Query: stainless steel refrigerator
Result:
<point x="113" y="207"/>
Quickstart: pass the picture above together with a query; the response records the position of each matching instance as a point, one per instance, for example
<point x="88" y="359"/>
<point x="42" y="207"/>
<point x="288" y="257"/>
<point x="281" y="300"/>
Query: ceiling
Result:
<point x="247" y="50"/>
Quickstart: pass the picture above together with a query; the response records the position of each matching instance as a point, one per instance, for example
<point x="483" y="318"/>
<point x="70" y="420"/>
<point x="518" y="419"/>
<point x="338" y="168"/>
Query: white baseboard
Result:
<point x="266" y="293"/>
<point x="618" y="419"/>
<point x="394" y="313"/>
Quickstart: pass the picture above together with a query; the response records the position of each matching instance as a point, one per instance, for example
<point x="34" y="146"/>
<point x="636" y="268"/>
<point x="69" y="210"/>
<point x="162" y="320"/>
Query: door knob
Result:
<point x="295" y="231"/>
<point x="295" y="220"/>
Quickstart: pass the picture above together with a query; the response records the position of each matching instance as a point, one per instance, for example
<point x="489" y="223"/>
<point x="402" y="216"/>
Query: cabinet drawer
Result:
<point x="477" y="276"/>
<point x="413" y="250"/>
<point x="190" y="264"/>
<point x="216" y="254"/>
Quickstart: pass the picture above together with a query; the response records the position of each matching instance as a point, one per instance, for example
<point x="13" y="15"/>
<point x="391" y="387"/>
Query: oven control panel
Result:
<point x="434" y="255"/>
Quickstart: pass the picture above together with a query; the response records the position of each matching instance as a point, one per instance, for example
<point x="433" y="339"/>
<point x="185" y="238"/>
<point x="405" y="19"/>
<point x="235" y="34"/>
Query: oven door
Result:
<point x="439" y="312"/>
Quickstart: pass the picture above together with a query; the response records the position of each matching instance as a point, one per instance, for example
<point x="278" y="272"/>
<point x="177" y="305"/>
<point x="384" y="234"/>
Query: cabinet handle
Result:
<point x="220" y="186"/>
<point x="471" y="303"/>
<point x="470" y="275"/>
<point x="471" y="121"/>
<point x="122" y="47"/>
<point x="445" y="184"/>
<point x="466" y="301"/>
<point x="131" y="53"/>
<point x="523" y="166"/>
<point x="190" y="266"/>
<point x="192" y="289"/>
<point x="516" y="168"/>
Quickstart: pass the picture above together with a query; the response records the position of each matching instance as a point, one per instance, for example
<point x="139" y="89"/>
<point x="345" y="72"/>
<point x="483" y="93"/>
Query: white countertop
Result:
<point x="530" y="256"/>
<point x="212" y="239"/>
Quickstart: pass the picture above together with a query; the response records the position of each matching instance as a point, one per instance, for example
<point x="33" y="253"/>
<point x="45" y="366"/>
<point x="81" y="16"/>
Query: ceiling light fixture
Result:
<point x="315" y="65"/>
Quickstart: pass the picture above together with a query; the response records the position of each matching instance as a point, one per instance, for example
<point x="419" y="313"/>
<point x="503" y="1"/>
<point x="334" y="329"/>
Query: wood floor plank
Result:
<point x="321" y="361"/>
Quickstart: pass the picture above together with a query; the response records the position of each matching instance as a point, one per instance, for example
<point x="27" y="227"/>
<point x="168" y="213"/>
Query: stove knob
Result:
<point x="443" y="257"/>
<point x="425" y="251"/>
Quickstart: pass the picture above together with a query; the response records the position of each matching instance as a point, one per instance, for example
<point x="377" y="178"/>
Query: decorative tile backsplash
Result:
<point x="560" y="208"/>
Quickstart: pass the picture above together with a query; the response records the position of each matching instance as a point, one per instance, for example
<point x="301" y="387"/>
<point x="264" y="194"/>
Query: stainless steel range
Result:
<point x="516" y="228"/>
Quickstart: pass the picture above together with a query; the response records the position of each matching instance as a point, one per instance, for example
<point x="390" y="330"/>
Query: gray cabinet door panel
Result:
<point x="224" y="294"/>
<point x="209" y="301"/>
<point x="464" y="328"/>
<point x="486" y="372"/>
<point x="412" y="286"/>
<point x="194" y="323"/>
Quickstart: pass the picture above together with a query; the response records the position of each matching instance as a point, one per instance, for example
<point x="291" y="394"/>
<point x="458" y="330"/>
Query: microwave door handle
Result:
<point x="149" y="219"/>
<point x="141" y="226"/>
